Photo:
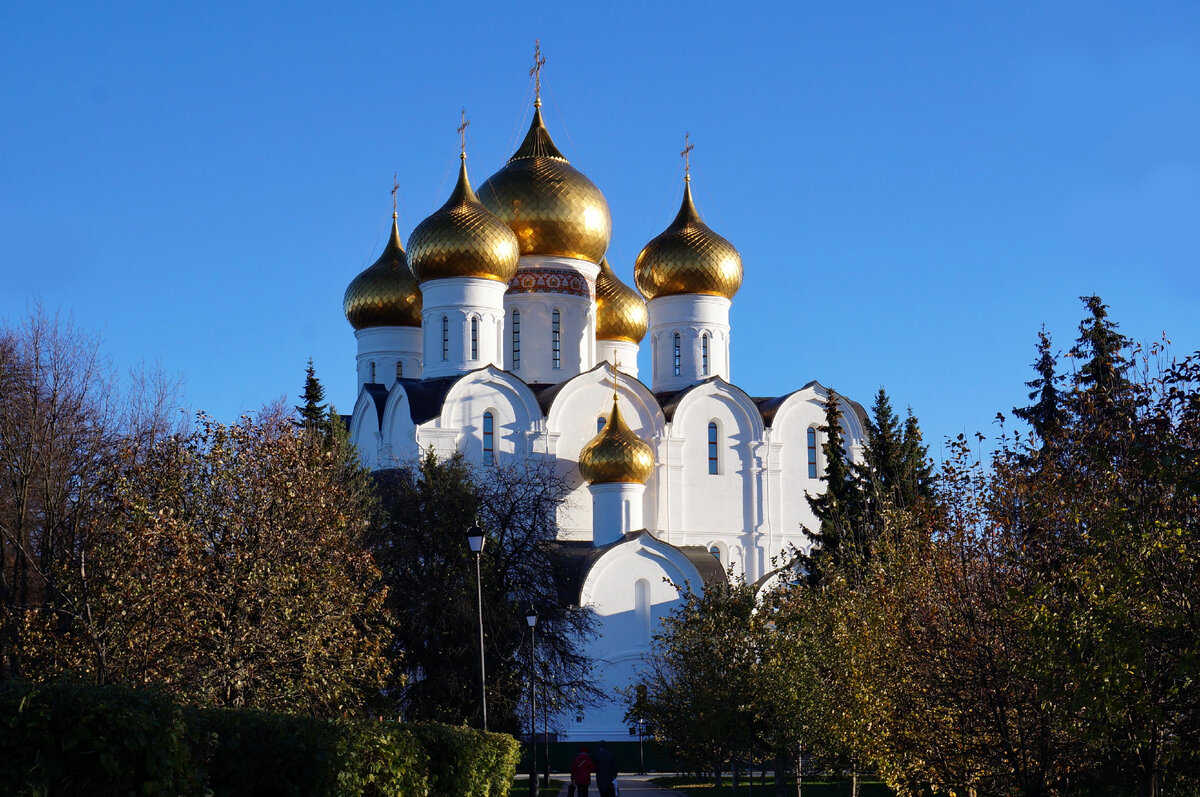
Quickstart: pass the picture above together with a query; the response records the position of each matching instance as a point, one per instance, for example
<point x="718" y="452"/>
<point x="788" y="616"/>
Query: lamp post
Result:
<point x="475" y="539"/>
<point x="531" y="618"/>
<point x="641" y="729"/>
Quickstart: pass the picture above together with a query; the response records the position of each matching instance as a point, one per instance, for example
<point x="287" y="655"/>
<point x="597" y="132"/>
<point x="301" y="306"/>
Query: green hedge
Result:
<point x="65" y="739"/>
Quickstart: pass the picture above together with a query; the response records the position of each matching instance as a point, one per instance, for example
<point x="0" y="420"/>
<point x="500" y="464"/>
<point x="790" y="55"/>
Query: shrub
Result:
<point x="466" y="762"/>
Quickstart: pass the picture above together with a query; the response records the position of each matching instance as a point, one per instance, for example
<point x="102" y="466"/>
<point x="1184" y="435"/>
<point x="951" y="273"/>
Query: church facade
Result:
<point x="503" y="332"/>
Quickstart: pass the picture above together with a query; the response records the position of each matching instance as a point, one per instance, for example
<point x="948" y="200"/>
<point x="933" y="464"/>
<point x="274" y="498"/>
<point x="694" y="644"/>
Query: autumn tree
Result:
<point x="421" y="546"/>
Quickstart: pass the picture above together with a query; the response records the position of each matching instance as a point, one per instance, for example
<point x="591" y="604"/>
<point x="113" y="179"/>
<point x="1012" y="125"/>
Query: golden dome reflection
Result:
<point x="620" y="310"/>
<point x="616" y="454"/>
<point x="385" y="294"/>
<point x="462" y="239"/>
<point x="550" y="205"/>
<point x="688" y="258"/>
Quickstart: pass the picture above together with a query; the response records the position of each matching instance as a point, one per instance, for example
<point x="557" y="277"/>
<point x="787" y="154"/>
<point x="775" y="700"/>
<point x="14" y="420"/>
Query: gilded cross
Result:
<point x="687" y="161"/>
<point x="539" y="61"/>
<point x="462" y="134"/>
<point x="395" y="188"/>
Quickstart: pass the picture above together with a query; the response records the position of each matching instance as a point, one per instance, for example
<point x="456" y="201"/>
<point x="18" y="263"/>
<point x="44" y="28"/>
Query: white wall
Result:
<point x="460" y="300"/>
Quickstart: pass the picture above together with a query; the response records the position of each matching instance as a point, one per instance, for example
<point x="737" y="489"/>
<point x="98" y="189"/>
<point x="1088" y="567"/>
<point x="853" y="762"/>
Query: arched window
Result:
<point x="641" y="608"/>
<point x="474" y="338"/>
<point x="704" y="353"/>
<point x="812" y="453"/>
<point x="716" y="552"/>
<point x="556" y="338"/>
<point x="489" y="439"/>
<point x="399" y="369"/>
<point x="676" y="354"/>
<point x="516" y="339"/>
<point x="712" y="447"/>
<point x="445" y="338"/>
<point x="600" y="424"/>
<point x="372" y="379"/>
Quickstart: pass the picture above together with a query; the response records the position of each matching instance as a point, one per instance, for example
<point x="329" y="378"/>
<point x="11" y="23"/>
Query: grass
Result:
<point x="812" y="786"/>
<point x="521" y="787"/>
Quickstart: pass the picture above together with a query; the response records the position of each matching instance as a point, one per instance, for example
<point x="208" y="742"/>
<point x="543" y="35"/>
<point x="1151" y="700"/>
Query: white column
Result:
<point x="616" y="510"/>
<point x="460" y="300"/>
<point x="622" y="354"/>
<point x="691" y="317"/>
<point x="381" y="348"/>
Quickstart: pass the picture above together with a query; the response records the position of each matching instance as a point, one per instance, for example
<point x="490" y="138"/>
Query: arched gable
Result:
<point x="398" y="434"/>
<point x="459" y="424"/>
<point x="806" y="407"/>
<point x="691" y="404"/>
<point x="365" y="423"/>
<point x="608" y="587"/>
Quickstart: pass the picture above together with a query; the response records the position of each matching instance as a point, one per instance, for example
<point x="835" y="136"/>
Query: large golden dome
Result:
<point x="548" y="203"/>
<point x="688" y="257"/>
<point x="616" y="454"/>
<point x="620" y="310"/>
<point x="385" y="294"/>
<point x="462" y="239"/>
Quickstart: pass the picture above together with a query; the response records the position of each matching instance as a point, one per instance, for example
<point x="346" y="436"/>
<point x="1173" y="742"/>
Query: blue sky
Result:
<point x="914" y="188"/>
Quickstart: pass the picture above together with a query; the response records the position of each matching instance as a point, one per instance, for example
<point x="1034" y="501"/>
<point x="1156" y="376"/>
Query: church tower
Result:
<point x="616" y="464"/>
<point x="383" y="304"/>
<point x="464" y="257"/>
<point x="621" y="321"/>
<point x="563" y="226"/>
<point x="689" y="275"/>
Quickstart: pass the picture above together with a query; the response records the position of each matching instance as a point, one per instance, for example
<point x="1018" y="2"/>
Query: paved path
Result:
<point x="633" y="786"/>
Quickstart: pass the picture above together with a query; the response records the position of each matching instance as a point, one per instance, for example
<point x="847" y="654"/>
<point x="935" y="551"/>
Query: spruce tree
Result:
<point x="1046" y="415"/>
<point x="1101" y="346"/>
<point x="839" y="509"/>
<point x="313" y="414"/>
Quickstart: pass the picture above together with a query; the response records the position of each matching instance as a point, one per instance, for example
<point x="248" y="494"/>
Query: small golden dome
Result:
<point x="385" y="294"/>
<point x="616" y="454"/>
<point x="620" y="310"/>
<point x="462" y="239"/>
<point x="688" y="257"/>
<point x="548" y="203"/>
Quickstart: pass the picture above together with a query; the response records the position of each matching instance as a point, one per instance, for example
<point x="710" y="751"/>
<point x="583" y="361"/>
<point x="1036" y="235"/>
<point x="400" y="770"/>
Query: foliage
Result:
<point x="420" y="545"/>
<point x="74" y="739"/>
<point x="313" y="413"/>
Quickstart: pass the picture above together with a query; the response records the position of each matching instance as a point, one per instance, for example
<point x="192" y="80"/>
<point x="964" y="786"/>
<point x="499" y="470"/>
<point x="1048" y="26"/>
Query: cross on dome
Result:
<point x="395" y="188"/>
<point x="539" y="61"/>
<point x="462" y="135"/>
<point x="688" y="146"/>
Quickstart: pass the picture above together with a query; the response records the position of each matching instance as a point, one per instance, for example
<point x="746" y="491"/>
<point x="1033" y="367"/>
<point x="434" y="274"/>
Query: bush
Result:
<point x="78" y="739"/>
<point x="74" y="739"/>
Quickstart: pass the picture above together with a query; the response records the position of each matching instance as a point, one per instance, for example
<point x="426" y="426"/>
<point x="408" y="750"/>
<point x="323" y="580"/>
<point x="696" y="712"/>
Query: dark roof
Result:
<point x="577" y="557"/>
<point x="426" y="396"/>
<point x="379" y="395"/>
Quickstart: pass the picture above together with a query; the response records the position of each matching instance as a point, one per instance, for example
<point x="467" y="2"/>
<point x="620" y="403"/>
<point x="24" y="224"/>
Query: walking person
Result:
<point x="581" y="773"/>
<point x="606" y="771"/>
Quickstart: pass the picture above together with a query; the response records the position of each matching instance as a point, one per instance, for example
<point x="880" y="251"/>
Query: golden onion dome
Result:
<point x="688" y="257"/>
<point x="462" y="239"/>
<point x="620" y="310"/>
<point x="385" y="294"/>
<point x="616" y="454"/>
<point x="548" y="203"/>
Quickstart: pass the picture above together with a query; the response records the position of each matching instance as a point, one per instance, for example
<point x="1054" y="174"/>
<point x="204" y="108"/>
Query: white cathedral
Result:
<point x="504" y="333"/>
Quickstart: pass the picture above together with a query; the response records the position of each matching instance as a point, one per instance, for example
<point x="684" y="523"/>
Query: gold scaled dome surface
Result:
<point x="385" y="294"/>
<point x="688" y="257"/>
<point x="620" y="310"/>
<point x="550" y="205"/>
<point x="462" y="239"/>
<point x="616" y="454"/>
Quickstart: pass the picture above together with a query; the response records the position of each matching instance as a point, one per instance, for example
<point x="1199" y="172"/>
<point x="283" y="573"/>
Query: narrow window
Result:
<point x="704" y="353"/>
<point x="556" y="338"/>
<point x="600" y="424"/>
<point x="399" y="369"/>
<point x="712" y="447"/>
<point x="715" y="551"/>
<point x="676" y="354"/>
<point x="445" y="338"/>
<point x="489" y="439"/>
<point x="641" y="607"/>
<point x="372" y="371"/>
<point x="516" y="339"/>
<point x="812" y="453"/>
<point x="474" y="338"/>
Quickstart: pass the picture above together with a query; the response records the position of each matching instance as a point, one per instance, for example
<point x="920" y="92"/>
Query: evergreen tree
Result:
<point x="1101" y="346"/>
<point x="839" y="509"/>
<point x="1046" y="415"/>
<point x="313" y="414"/>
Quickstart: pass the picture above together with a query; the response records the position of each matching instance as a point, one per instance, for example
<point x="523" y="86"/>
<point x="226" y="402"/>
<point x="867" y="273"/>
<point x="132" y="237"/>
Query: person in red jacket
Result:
<point x="581" y="772"/>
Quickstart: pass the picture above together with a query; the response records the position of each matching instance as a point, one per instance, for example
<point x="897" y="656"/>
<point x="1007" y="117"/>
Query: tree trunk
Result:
<point x="780" y="774"/>
<point x="854" y="782"/>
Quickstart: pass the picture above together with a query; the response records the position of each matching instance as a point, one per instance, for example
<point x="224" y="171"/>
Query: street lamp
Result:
<point x="475" y="539"/>
<point x="531" y="618"/>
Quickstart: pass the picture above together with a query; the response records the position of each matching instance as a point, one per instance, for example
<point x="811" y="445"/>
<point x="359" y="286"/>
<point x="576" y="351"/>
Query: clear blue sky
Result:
<point x="914" y="188"/>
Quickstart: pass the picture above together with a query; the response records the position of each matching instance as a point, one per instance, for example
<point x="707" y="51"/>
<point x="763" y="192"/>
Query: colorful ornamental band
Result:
<point x="548" y="280"/>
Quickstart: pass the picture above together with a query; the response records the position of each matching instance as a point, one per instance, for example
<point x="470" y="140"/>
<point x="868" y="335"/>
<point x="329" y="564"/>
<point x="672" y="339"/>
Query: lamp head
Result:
<point x="475" y="538"/>
<point x="531" y="617"/>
